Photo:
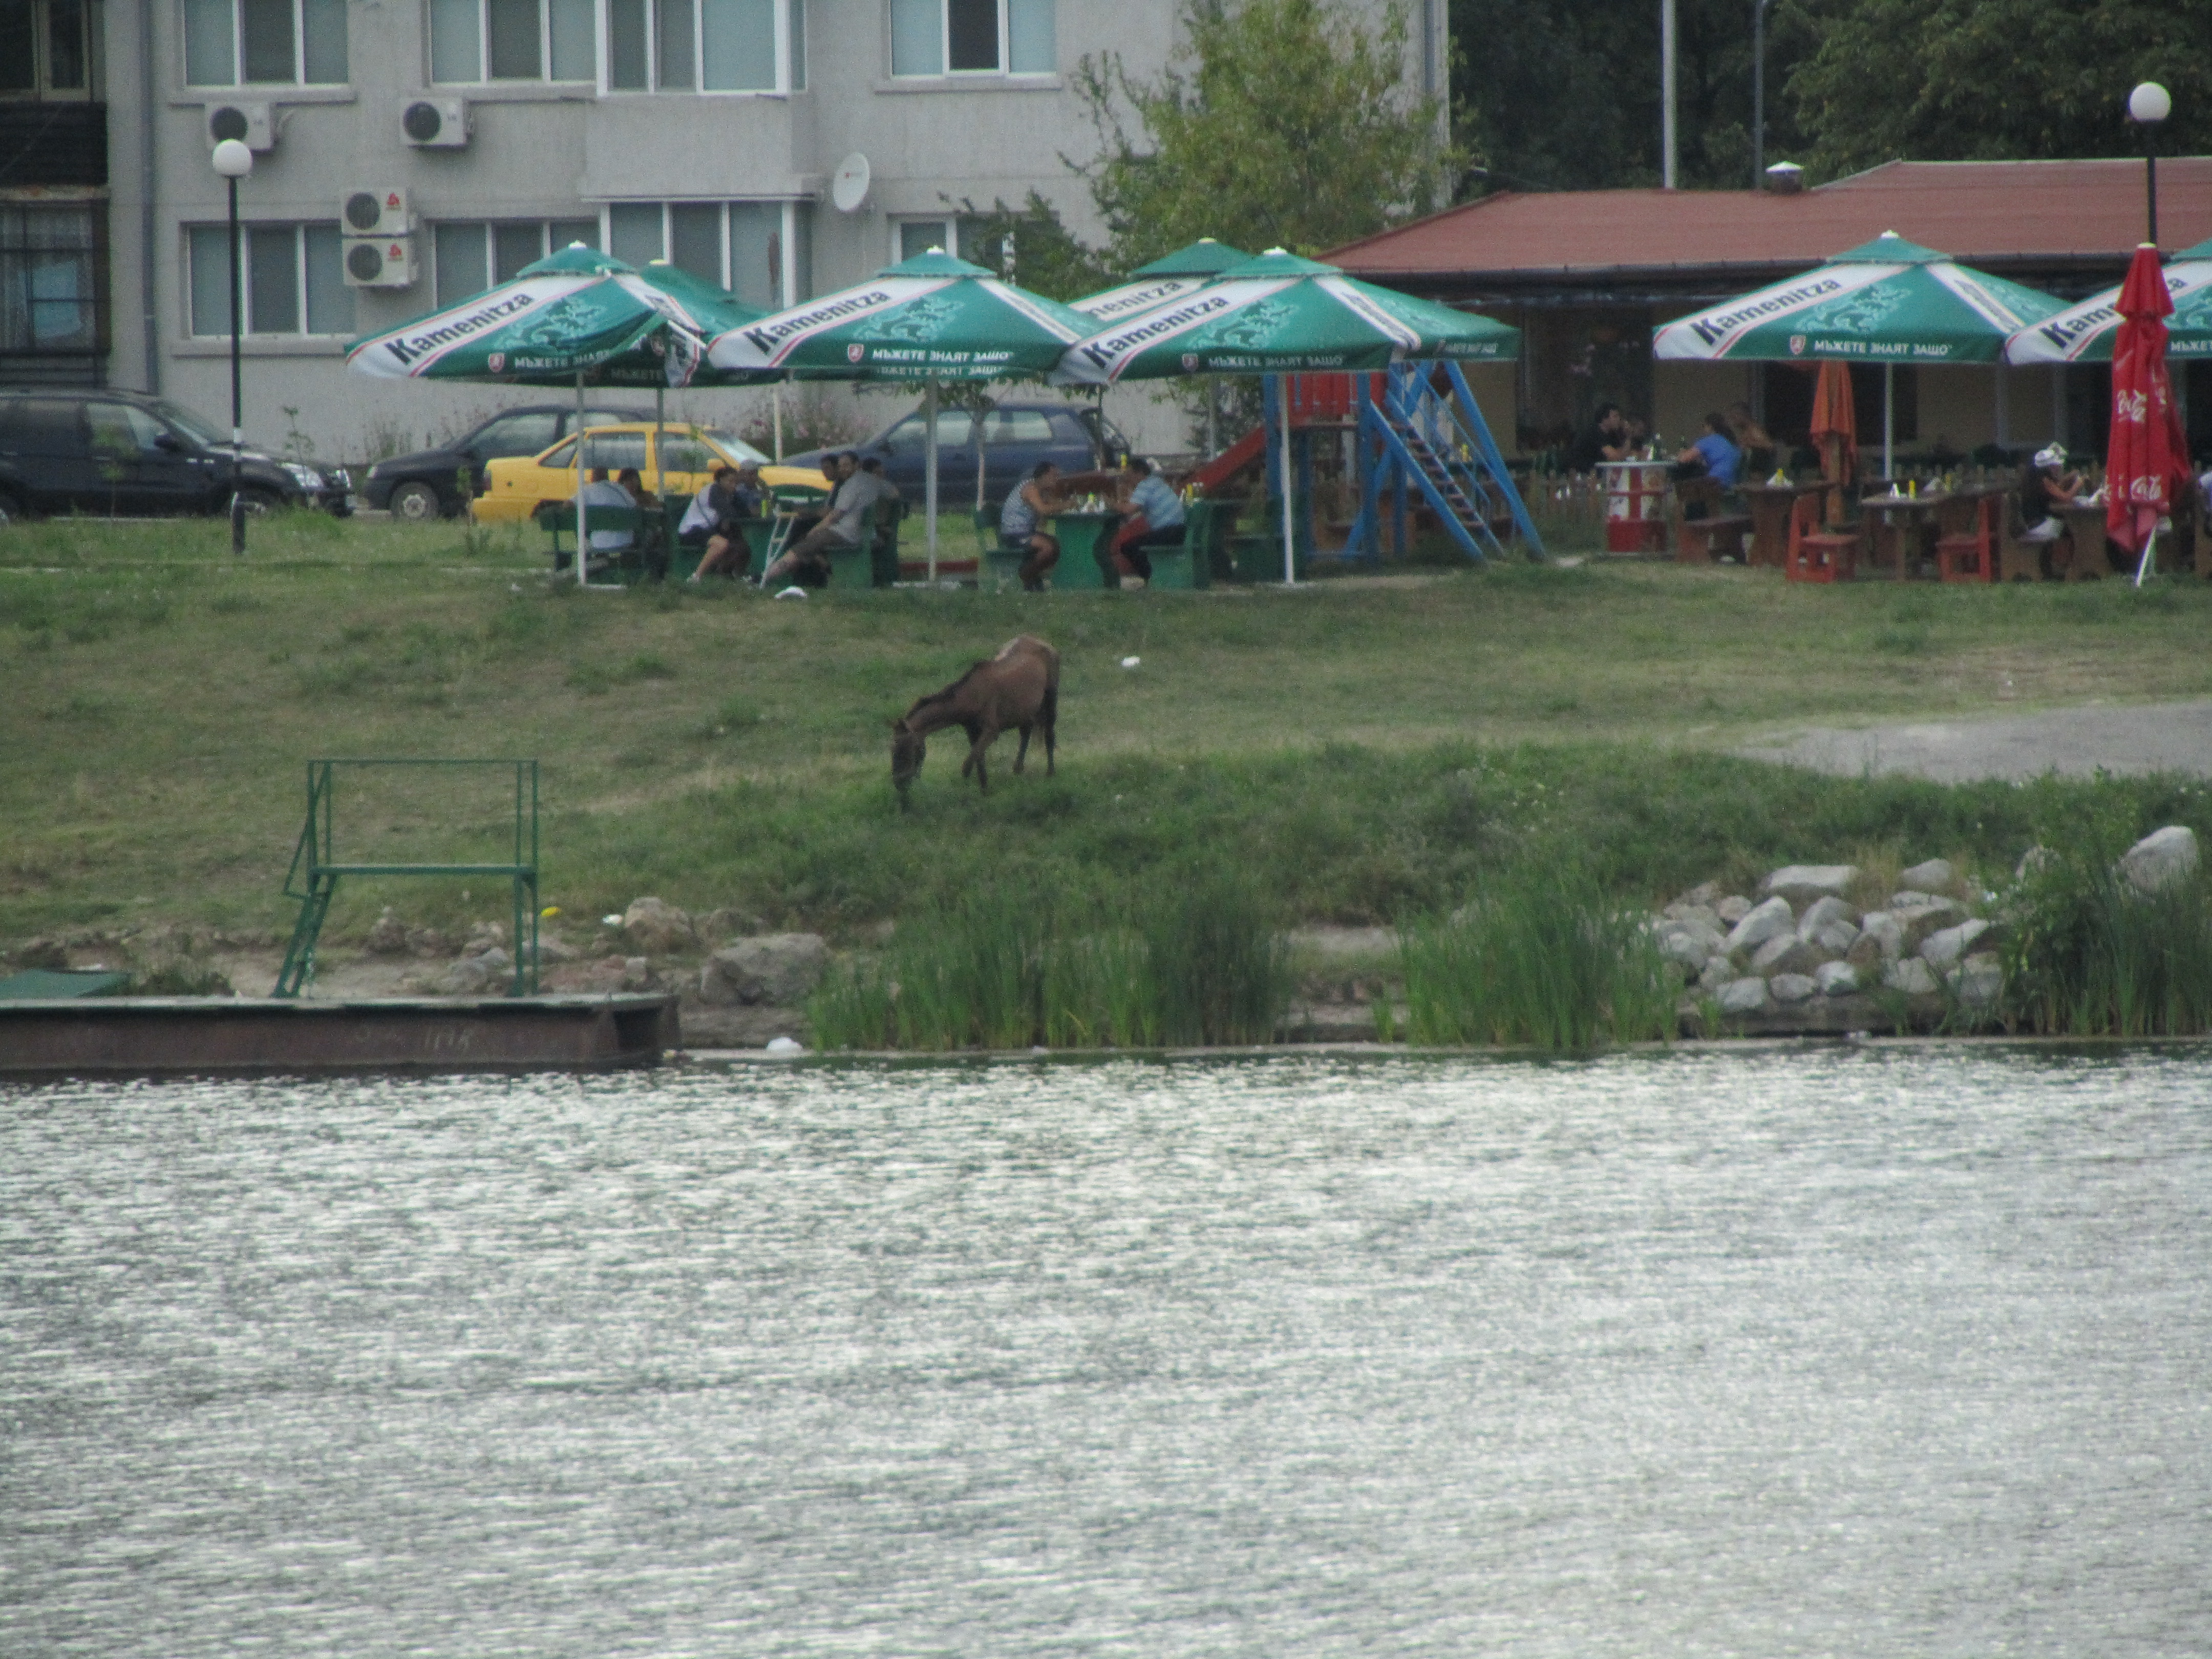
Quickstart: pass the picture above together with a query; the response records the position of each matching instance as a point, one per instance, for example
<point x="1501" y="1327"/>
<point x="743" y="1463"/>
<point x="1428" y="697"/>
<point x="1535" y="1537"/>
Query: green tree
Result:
<point x="1047" y="258"/>
<point x="1975" y="80"/>
<point x="1564" y="95"/>
<point x="1275" y="124"/>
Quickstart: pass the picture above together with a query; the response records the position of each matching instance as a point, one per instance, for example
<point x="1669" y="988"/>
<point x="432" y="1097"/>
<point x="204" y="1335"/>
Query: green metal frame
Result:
<point x="314" y="878"/>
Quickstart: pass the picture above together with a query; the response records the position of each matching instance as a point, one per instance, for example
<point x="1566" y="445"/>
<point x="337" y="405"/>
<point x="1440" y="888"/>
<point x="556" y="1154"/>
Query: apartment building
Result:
<point x="482" y="133"/>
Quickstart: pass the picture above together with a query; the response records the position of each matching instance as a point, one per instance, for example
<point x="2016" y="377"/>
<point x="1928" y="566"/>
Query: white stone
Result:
<point x="1887" y="932"/>
<point x="1822" y="913"/>
<point x="1801" y="884"/>
<point x="1717" y="972"/>
<point x="1791" y="988"/>
<point x="1836" y="939"/>
<point x="1705" y="894"/>
<point x="1921" y="920"/>
<point x="1936" y="876"/>
<point x="1979" y="981"/>
<point x="1836" y="979"/>
<point x="2032" y="861"/>
<point x="1763" y="922"/>
<point x="2162" y="859"/>
<point x="1909" y="974"/>
<point x="1733" y="908"/>
<point x="1689" y="942"/>
<point x="1946" y="945"/>
<point x="1702" y="914"/>
<point x="1767" y="959"/>
<point x="783" y="1045"/>
<point x="1744" y="996"/>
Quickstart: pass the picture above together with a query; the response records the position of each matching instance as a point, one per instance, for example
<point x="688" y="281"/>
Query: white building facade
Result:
<point x="487" y="132"/>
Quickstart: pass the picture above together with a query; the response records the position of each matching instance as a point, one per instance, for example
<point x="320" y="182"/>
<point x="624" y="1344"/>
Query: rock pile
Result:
<point x="1803" y="940"/>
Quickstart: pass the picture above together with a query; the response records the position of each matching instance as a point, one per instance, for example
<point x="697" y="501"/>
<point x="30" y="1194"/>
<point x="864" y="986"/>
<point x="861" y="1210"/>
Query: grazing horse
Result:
<point x="1019" y="687"/>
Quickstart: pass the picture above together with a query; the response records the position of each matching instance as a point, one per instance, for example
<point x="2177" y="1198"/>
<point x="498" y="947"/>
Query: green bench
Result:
<point x="648" y="530"/>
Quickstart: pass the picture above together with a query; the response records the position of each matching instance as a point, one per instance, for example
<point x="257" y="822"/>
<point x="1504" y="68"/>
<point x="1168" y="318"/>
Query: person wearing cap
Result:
<point x="2045" y="487"/>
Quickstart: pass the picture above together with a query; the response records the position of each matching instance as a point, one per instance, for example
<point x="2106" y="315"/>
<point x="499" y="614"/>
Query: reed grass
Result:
<point x="1196" y="960"/>
<point x="2088" y="955"/>
<point x="1543" y="956"/>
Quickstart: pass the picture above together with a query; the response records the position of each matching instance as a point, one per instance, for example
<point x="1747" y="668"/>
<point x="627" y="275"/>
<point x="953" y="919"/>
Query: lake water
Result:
<point x="1832" y="1352"/>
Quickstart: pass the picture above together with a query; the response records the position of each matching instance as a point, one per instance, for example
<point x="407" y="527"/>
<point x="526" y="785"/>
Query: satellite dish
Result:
<point x="849" y="185"/>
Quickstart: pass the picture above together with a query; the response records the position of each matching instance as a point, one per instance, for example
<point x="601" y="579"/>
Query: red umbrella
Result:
<point x="1836" y="430"/>
<point x="2146" y="466"/>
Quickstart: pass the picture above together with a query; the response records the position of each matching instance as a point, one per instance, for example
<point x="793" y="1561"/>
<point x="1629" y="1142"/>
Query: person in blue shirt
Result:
<point x="1156" y="520"/>
<point x="1714" y="456"/>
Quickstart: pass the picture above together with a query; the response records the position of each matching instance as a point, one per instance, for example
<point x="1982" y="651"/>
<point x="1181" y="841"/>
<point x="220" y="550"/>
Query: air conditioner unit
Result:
<point x="436" y="122"/>
<point x="253" y="123"/>
<point x="379" y="261"/>
<point x="376" y="212"/>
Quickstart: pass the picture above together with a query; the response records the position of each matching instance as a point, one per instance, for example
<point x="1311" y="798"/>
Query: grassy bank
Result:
<point x="1367" y="749"/>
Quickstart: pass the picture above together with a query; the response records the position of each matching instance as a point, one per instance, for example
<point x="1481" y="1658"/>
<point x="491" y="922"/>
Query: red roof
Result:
<point x="2047" y="214"/>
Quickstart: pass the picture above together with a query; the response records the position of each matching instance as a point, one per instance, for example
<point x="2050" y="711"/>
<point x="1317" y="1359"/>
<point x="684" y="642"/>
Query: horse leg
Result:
<point x="1050" y="716"/>
<point x="990" y="735"/>
<point x="975" y="731"/>
<point x="1022" y="753"/>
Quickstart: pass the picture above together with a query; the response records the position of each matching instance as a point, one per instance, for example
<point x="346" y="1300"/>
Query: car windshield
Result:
<point x="193" y="425"/>
<point x="733" y="445"/>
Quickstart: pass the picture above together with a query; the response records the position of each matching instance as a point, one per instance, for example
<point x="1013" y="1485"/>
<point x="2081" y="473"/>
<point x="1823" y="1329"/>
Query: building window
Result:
<point x="477" y="40"/>
<point x="471" y="255"/>
<point x="706" y="45"/>
<point x="964" y="238"/>
<point x="295" y="280"/>
<point x="49" y="280"/>
<point x="974" y="37"/>
<point x="46" y="49"/>
<point x="762" y="251"/>
<point x="230" y="43"/>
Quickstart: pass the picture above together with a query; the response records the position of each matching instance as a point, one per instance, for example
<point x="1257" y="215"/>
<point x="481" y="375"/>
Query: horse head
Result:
<point x="907" y="750"/>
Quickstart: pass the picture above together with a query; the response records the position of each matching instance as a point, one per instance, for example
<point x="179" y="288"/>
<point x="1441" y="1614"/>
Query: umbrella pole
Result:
<point x="1889" y="422"/>
<point x="929" y="490"/>
<point x="1289" y="544"/>
<point x="775" y="405"/>
<point x="582" y="569"/>
<point x="1213" y="416"/>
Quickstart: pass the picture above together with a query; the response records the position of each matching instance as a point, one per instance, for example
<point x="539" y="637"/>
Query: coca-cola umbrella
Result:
<point x="2147" y="461"/>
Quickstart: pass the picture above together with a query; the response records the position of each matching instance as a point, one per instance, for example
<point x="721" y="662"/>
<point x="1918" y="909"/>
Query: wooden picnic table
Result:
<point x="1771" y="505"/>
<point x="2085" y="525"/>
<point x="1903" y="528"/>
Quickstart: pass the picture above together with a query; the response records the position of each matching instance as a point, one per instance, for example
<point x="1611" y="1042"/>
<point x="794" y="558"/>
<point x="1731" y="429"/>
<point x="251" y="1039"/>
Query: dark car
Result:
<point x="1015" y="437"/>
<point x="127" y="453"/>
<point x="426" y="485"/>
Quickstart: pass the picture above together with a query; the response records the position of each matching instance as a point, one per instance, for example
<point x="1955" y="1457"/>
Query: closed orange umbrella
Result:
<point x="1836" y="431"/>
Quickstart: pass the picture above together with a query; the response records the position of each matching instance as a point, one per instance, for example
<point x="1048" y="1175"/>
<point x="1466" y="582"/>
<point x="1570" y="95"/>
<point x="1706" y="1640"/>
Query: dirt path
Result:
<point x="2169" y="737"/>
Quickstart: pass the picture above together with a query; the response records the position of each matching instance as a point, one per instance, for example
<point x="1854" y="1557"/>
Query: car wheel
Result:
<point x="416" y="503"/>
<point x="259" y="503"/>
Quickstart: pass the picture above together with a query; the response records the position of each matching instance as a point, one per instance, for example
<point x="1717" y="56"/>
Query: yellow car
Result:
<point x="675" y="460"/>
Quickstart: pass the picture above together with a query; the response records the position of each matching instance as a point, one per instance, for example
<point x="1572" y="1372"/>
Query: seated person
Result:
<point x="601" y="492"/>
<point x="1034" y="500"/>
<point x="1156" y="520"/>
<point x="712" y="522"/>
<point x="879" y="489"/>
<point x="1713" y="456"/>
<point x="806" y="562"/>
<point x="633" y="485"/>
<point x="2045" y="486"/>
<point x="1758" y="448"/>
<point x="1605" y="439"/>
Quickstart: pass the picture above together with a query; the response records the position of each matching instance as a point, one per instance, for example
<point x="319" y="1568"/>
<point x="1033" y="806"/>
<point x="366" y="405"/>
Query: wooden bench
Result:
<point x="1707" y="535"/>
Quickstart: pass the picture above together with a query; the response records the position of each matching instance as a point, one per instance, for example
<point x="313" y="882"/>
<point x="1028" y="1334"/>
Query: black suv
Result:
<point x="425" y="485"/>
<point x="125" y="452"/>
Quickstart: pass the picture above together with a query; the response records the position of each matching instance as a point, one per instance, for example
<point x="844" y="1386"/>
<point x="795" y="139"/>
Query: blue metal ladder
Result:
<point x="1439" y="445"/>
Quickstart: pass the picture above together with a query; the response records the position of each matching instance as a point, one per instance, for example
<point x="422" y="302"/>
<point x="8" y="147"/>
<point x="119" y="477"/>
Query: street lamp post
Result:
<point x="233" y="161"/>
<point x="2147" y="106"/>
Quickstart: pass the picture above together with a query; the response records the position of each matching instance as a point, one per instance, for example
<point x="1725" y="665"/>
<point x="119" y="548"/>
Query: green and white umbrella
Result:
<point x="579" y="317"/>
<point x="1167" y="278"/>
<point x="2084" y="333"/>
<point x="1279" y="314"/>
<point x="1886" y="301"/>
<point x="932" y="318"/>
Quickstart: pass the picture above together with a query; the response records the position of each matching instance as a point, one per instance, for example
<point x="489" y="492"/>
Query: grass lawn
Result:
<point x="1369" y="746"/>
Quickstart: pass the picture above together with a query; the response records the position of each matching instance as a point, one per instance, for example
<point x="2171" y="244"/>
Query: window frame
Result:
<point x="238" y="82"/>
<point x="88" y="250"/>
<point x="944" y="71"/>
<point x="301" y="295"/>
<point x="790" y="51"/>
<point x="544" y="77"/>
<point x="489" y="228"/>
<point x="790" y="279"/>
<point x="42" y="89"/>
<point x="959" y="228"/>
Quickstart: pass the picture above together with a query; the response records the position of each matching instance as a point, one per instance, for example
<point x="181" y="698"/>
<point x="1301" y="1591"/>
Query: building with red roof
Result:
<point x="1586" y="275"/>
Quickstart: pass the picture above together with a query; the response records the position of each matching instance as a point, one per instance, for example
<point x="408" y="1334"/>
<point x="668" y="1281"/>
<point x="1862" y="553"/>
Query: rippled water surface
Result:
<point x="1849" y="1352"/>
